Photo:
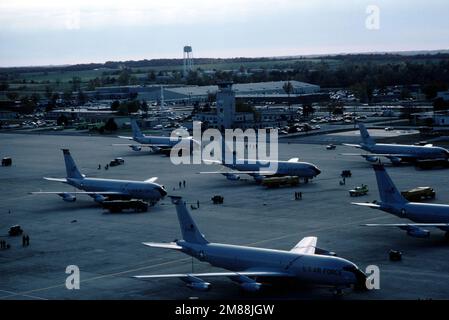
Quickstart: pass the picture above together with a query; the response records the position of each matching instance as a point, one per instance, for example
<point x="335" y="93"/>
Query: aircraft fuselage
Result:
<point x="316" y="269"/>
<point x="135" y="189"/>
<point x="284" y="168"/>
<point x="419" y="212"/>
<point x="414" y="152"/>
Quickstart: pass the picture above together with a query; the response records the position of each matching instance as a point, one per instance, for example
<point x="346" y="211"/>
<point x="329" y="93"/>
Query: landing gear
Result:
<point x="337" y="292"/>
<point x="446" y="236"/>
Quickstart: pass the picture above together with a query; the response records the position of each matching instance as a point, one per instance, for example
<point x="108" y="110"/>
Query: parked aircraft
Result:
<point x="258" y="171"/>
<point x="422" y="214"/>
<point x="156" y="143"/>
<point x="396" y="153"/>
<point x="105" y="189"/>
<point x="252" y="267"/>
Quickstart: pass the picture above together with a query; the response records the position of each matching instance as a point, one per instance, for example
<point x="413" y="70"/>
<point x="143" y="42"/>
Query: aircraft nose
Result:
<point x="360" y="277"/>
<point x="360" y="280"/>
<point x="162" y="191"/>
<point x="317" y="171"/>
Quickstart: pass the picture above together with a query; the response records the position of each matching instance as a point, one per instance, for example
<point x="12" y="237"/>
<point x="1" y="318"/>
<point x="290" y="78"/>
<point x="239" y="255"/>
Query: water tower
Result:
<point x="188" y="60"/>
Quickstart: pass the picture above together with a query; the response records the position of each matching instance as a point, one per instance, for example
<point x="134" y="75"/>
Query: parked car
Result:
<point x="331" y="147"/>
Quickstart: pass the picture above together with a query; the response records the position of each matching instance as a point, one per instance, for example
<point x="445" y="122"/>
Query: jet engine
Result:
<point x="418" y="233"/>
<point x="99" y="198"/>
<point x="199" y="286"/>
<point x="232" y="176"/>
<point x="136" y="148"/>
<point x="68" y="197"/>
<point x="196" y="283"/>
<point x="372" y="158"/>
<point x="251" y="286"/>
<point x="395" y="160"/>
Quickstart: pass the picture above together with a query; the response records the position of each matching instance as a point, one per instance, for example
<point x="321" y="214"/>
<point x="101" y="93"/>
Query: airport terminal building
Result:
<point x="191" y="94"/>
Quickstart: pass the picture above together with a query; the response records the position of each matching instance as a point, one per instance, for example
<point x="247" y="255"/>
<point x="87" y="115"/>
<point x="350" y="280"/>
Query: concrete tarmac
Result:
<point x="107" y="247"/>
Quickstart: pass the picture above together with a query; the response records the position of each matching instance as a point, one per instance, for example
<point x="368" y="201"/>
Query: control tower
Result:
<point x="225" y="105"/>
<point x="187" y="60"/>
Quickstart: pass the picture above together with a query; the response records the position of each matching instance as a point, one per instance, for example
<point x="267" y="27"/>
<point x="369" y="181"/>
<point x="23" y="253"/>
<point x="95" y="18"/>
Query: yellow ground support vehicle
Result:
<point x="276" y="182"/>
<point x="418" y="194"/>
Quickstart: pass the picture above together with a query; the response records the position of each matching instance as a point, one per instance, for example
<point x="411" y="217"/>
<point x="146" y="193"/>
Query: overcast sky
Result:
<point x="76" y="31"/>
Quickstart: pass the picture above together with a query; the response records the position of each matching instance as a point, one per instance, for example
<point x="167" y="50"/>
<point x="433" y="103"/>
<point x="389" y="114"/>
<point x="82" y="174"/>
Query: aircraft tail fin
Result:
<point x="366" y="138"/>
<point x="387" y="190"/>
<point x="136" y="130"/>
<point x="70" y="166"/>
<point x="190" y="231"/>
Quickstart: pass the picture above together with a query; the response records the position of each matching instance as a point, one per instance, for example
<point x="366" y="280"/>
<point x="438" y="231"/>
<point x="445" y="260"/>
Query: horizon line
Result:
<point x="417" y="51"/>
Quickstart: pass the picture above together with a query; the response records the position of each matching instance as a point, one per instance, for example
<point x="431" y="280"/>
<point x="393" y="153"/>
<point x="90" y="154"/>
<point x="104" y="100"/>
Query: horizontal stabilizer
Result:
<point x="56" y="179"/>
<point x="352" y="145"/>
<point x="124" y="137"/>
<point x="366" y="204"/>
<point x="169" y="245"/>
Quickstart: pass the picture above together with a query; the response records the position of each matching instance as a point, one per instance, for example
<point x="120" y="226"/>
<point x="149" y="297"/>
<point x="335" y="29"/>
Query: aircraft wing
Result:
<point x="124" y="137"/>
<point x="212" y="161"/>
<point x="169" y="245"/>
<point x="237" y="172"/>
<point x="56" y="179"/>
<point x="406" y="225"/>
<point x="217" y="274"/>
<point x="106" y="193"/>
<point x="148" y="145"/>
<point x="386" y="155"/>
<point x="305" y="246"/>
<point x="366" y="204"/>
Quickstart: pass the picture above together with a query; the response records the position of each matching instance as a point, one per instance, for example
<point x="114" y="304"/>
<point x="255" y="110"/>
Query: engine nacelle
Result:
<point x="418" y="233"/>
<point x="232" y="176"/>
<point x="99" y="198"/>
<point x="136" y="148"/>
<point x="395" y="160"/>
<point x="68" y="197"/>
<point x="372" y="159"/>
<point x="199" y="286"/>
<point x="251" y="286"/>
